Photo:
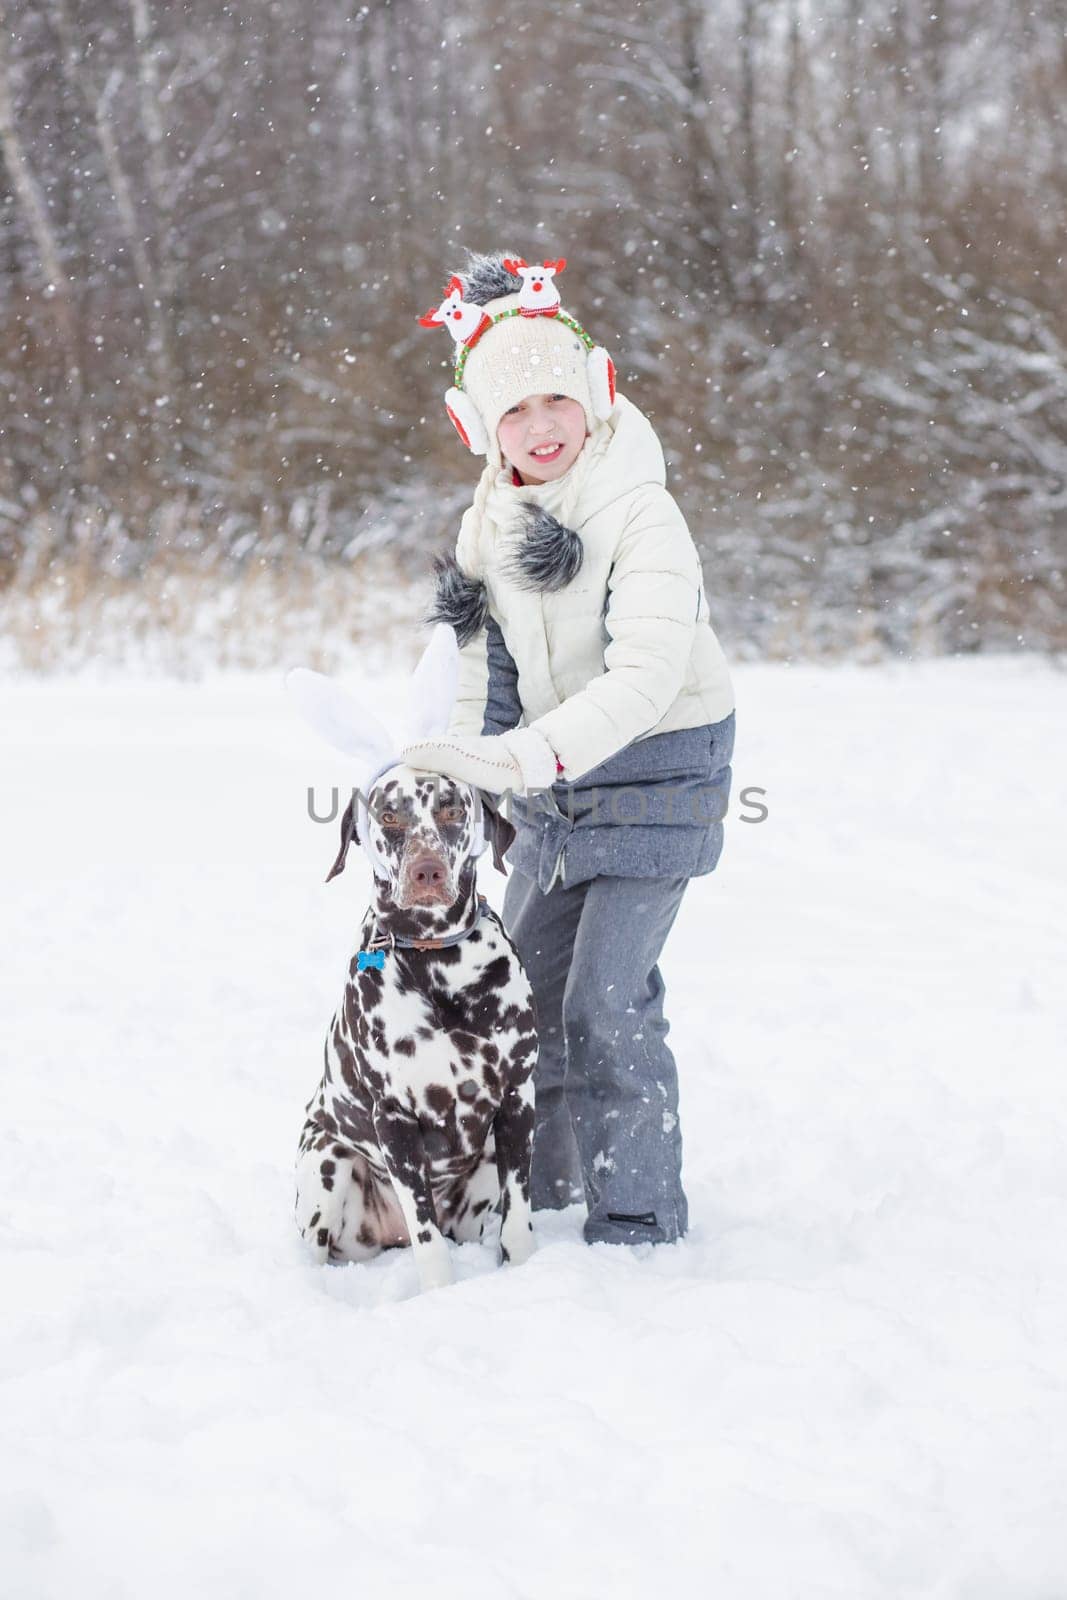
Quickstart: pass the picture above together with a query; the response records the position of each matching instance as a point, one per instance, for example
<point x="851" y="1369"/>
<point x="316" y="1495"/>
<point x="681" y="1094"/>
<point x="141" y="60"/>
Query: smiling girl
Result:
<point x="541" y="436"/>
<point x="594" y="692"/>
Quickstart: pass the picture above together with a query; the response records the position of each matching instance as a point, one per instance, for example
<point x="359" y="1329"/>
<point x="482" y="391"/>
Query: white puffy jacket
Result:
<point x="593" y="680"/>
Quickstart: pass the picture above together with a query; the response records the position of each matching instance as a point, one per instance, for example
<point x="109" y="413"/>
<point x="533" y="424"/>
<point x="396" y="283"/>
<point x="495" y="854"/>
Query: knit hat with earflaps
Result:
<point x="513" y="338"/>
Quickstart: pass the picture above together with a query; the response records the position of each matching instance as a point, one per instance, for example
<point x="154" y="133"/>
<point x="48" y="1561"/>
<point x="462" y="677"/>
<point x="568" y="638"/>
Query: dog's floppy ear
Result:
<point x="349" y="834"/>
<point x="499" y="829"/>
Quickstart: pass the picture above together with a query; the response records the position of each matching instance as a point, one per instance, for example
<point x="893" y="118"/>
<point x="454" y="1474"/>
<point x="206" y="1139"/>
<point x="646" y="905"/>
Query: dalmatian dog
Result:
<point x="422" y="1125"/>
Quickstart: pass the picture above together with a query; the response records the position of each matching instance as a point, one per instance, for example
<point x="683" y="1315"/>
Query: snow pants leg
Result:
<point x="607" y="1086"/>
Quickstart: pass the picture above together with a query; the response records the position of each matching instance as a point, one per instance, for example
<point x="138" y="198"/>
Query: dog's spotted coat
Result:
<point x="424" y="1118"/>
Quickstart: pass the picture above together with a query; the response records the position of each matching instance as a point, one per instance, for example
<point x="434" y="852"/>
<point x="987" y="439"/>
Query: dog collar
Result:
<point x="374" y="950"/>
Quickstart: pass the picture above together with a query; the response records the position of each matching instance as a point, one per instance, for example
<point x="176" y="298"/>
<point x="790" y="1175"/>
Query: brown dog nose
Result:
<point x="427" y="872"/>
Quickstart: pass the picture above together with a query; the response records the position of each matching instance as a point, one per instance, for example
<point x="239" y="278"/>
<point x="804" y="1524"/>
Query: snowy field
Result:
<point x="850" y="1380"/>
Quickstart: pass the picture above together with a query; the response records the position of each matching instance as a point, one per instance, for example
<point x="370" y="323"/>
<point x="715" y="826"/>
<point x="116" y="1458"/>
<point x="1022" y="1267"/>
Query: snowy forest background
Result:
<point x="825" y="246"/>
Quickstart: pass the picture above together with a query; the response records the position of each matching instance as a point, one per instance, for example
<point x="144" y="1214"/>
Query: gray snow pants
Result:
<point x="606" y="1121"/>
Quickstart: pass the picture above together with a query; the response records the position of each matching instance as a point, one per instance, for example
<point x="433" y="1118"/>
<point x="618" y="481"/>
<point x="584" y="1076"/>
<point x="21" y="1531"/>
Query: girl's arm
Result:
<point x="503" y="708"/>
<point x="470" y="710"/>
<point x="654" y="590"/>
<point x="487" y="699"/>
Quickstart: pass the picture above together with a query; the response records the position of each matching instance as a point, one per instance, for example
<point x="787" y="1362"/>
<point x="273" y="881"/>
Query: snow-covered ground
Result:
<point x="850" y="1380"/>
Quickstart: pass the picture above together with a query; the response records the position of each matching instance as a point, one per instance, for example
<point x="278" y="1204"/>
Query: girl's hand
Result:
<point x="517" y="761"/>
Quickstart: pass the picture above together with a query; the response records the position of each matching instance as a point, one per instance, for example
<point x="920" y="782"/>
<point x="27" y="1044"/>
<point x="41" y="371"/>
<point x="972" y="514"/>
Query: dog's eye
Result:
<point x="390" y="819"/>
<point x="448" y="814"/>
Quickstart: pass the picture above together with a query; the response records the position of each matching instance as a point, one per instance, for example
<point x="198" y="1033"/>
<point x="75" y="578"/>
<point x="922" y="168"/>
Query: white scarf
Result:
<point x="500" y="502"/>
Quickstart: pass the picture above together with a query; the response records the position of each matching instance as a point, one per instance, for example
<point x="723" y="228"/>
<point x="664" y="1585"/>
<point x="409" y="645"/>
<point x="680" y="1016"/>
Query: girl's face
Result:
<point x="542" y="436"/>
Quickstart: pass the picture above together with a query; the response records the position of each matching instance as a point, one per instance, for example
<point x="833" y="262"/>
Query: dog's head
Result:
<point x="423" y="835"/>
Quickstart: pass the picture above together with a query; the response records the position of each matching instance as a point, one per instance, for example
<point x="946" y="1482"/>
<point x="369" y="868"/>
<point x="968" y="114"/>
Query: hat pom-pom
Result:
<point x="467" y="421"/>
<point x="600" y="372"/>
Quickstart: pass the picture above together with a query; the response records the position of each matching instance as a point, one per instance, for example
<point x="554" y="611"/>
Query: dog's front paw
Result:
<point x="434" y="1267"/>
<point x="516" y="1242"/>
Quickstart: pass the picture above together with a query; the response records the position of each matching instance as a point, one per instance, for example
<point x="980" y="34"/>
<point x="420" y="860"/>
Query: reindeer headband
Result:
<point x="533" y="347"/>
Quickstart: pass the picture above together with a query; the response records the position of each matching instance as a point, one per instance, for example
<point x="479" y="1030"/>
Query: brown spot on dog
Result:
<point x="438" y="1098"/>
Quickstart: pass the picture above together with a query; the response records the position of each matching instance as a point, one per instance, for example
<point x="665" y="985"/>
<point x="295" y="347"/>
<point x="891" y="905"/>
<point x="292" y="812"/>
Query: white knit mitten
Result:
<point x="517" y="761"/>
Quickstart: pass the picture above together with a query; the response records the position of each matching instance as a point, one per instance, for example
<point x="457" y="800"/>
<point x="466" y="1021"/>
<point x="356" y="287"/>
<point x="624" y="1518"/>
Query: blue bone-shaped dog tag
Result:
<point x="371" y="958"/>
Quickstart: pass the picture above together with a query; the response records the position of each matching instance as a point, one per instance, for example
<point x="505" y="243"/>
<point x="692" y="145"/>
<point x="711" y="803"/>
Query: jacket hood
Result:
<point x="633" y="459"/>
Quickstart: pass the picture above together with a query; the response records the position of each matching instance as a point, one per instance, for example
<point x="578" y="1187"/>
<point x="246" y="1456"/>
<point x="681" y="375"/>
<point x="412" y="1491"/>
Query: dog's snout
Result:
<point x="428" y="872"/>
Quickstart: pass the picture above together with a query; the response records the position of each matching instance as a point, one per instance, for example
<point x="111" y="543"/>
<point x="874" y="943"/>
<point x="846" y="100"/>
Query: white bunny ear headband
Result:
<point x="349" y="725"/>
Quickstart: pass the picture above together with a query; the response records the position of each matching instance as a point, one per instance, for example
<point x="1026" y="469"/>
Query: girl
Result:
<point x="594" y="692"/>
